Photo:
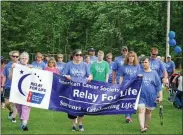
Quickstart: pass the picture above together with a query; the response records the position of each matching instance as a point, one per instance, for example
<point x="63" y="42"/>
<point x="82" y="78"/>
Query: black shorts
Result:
<point x="7" y="93"/>
<point x="73" y="117"/>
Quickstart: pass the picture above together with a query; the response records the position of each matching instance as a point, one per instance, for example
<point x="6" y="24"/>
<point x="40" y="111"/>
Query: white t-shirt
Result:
<point x="180" y="83"/>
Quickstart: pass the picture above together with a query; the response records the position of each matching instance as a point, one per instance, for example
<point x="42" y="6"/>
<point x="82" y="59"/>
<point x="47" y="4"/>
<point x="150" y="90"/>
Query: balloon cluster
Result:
<point x="172" y="42"/>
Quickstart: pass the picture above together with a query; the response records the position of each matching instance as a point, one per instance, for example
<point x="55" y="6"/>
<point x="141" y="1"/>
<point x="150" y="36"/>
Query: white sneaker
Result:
<point x="14" y="120"/>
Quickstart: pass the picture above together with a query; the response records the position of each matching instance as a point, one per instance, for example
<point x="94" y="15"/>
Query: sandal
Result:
<point x="146" y="127"/>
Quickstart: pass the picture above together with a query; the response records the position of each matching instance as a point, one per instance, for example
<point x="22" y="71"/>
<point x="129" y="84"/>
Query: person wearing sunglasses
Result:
<point x="77" y="71"/>
<point x="52" y="66"/>
<point x="110" y="62"/>
<point x="128" y="72"/>
<point x="158" y="66"/>
<point x="151" y="94"/>
<point x="6" y="85"/>
<point x="23" y="110"/>
<point x="39" y="64"/>
<point x="100" y="68"/>
<point x="60" y="63"/>
<point x="118" y="62"/>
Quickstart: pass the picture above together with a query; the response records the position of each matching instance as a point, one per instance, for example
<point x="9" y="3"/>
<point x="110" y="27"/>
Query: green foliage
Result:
<point x="53" y="27"/>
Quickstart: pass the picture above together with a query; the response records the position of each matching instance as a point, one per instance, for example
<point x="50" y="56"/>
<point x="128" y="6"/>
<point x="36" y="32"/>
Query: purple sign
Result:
<point x="93" y="98"/>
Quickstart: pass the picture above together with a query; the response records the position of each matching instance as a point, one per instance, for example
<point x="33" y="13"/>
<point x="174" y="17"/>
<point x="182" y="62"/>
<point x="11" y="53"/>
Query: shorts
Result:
<point x="7" y="93"/>
<point x="73" y="117"/>
<point x="144" y="106"/>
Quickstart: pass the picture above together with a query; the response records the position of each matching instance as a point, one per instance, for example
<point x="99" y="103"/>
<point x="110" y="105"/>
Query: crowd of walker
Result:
<point x="154" y="70"/>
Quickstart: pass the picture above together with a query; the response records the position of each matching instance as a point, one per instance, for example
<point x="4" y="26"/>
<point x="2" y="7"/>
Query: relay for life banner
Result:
<point x="46" y="90"/>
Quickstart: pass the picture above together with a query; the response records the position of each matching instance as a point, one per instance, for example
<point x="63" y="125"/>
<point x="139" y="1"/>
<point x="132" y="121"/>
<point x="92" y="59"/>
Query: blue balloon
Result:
<point x="177" y="49"/>
<point x="171" y="34"/>
<point x="172" y="42"/>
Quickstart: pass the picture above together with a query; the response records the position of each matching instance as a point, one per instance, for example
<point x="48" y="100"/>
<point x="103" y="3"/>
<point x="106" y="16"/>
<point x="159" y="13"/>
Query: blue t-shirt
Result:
<point x="46" y="62"/>
<point x="88" y="65"/>
<point x="170" y="66"/>
<point x="93" y="59"/>
<point x="110" y="72"/>
<point x="78" y="72"/>
<point x="150" y="87"/>
<point x="129" y="72"/>
<point x="118" y="63"/>
<point x="6" y="73"/>
<point x="37" y="65"/>
<point x="60" y="66"/>
<point x="158" y="66"/>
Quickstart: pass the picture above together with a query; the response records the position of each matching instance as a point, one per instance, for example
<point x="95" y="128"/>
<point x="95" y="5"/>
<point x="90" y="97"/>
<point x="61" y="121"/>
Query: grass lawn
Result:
<point x="51" y="122"/>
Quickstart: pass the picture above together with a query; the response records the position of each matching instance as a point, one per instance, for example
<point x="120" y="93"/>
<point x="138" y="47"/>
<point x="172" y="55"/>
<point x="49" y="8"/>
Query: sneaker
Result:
<point x="143" y="130"/>
<point x="128" y="120"/>
<point x="14" y="120"/>
<point x="24" y="128"/>
<point x="10" y="115"/>
<point x="73" y="128"/>
<point x="81" y="128"/>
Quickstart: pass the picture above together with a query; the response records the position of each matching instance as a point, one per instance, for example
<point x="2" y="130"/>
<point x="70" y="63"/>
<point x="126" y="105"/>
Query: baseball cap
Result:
<point x="168" y="56"/>
<point x="124" y="47"/>
<point x="91" y="49"/>
<point x="59" y="55"/>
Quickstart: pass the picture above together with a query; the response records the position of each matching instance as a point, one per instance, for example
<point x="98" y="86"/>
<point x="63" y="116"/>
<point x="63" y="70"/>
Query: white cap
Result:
<point x="168" y="56"/>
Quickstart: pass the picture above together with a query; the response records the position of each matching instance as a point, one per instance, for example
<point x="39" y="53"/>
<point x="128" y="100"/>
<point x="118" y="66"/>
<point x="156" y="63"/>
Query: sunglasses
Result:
<point x="144" y="62"/>
<point x="109" y="58"/>
<point x="124" y="50"/>
<point x="51" y="62"/>
<point x="78" y="55"/>
<point x="154" y="54"/>
<point x="59" y="57"/>
<point x="15" y="56"/>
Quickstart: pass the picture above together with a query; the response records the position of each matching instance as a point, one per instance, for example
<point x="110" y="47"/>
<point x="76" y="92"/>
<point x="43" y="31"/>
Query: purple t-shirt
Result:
<point x="157" y="65"/>
<point x="78" y="72"/>
<point x="170" y="66"/>
<point x="60" y="66"/>
<point x="150" y="87"/>
<point x="118" y="63"/>
<point x="129" y="72"/>
<point x="6" y="73"/>
<point x="37" y="65"/>
<point x="93" y="59"/>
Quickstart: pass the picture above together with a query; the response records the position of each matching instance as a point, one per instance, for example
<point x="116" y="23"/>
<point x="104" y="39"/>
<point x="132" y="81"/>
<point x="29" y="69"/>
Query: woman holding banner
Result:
<point x="128" y="72"/>
<point x="23" y="110"/>
<point x="151" y="93"/>
<point x="77" y="71"/>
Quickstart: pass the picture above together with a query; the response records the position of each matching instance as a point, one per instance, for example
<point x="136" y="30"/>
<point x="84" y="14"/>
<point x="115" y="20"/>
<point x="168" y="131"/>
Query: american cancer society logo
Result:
<point x="36" y="90"/>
